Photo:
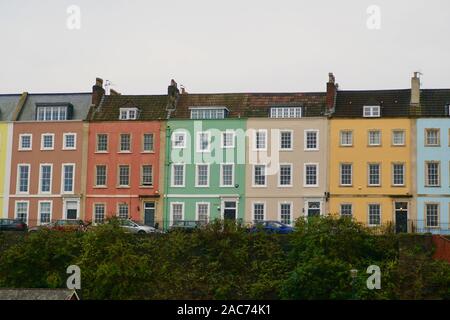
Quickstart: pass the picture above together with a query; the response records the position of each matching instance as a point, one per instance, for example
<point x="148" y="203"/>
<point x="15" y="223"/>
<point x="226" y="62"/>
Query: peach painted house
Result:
<point x="126" y="134"/>
<point x="47" y="161"/>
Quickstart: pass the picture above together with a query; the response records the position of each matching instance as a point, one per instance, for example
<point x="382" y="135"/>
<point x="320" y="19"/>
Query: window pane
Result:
<point x="99" y="213"/>
<point x="125" y="142"/>
<point x="124" y="175"/>
<point x="178" y="175"/>
<point x="147" y="175"/>
<point x="46" y="176"/>
<point x="286" y="140"/>
<point x="101" y="175"/>
<point x="432" y="211"/>
<point x="346" y="210"/>
<point x="285" y="213"/>
<point x="44" y="212"/>
<point x="259" y="175"/>
<point x="285" y="175"/>
<point x="374" y="214"/>
<point x="311" y="175"/>
<point x="68" y="178"/>
<point x="148" y="142"/>
<point x="227" y="175"/>
<point x="258" y="212"/>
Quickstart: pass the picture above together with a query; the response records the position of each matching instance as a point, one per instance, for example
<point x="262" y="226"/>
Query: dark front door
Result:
<point x="401" y="217"/>
<point x="149" y="213"/>
<point x="313" y="209"/>
<point x="229" y="210"/>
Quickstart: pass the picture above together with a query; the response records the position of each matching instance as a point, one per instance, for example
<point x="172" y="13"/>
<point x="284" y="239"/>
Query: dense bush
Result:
<point x="223" y="261"/>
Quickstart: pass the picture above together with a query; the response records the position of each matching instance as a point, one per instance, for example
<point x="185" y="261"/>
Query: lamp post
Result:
<point x="354" y="275"/>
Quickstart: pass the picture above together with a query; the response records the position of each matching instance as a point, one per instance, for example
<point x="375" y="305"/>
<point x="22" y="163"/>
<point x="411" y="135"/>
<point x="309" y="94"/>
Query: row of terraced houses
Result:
<point x="379" y="156"/>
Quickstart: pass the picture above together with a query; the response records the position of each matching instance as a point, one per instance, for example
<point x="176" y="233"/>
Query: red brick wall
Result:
<point x="442" y="246"/>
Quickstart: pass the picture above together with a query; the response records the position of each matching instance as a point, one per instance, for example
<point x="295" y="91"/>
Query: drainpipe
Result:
<point x="166" y="179"/>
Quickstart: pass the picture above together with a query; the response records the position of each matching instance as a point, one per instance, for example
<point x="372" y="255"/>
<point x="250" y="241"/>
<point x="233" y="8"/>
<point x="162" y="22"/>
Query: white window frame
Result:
<point x="340" y="174"/>
<point x="127" y="113"/>
<point x="369" y="111"/>
<point x="286" y="112"/>
<point x="317" y="175"/>
<point x="199" y="142"/>
<point x="438" y="137"/>
<point x="93" y="211"/>
<point x="254" y="185"/>
<point x="197" y="177"/>
<point x="120" y="142"/>
<point x="379" y="174"/>
<point x="28" y="209"/>
<point x="292" y="211"/>
<point x="172" y="176"/>
<point x="291" y="133"/>
<point x="106" y="176"/>
<point x="369" y="142"/>
<point x="279" y="176"/>
<point x="141" y="182"/>
<point x="341" y="132"/>
<point x="438" y="205"/>
<point x="393" y="173"/>
<point x="345" y="204"/>
<point x="73" y="178"/>
<point x="39" y="210"/>
<point x="197" y="216"/>
<point x="42" y="141"/>
<point x="174" y="135"/>
<point x="18" y="178"/>
<point x="21" y="148"/>
<point x="143" y="142"/>
<point x="307" y="202"/>
<point x="368" y="214"/>
<point x="439" y="178"/>
<point x="96" y="143"/>
<point x="40" y="178"/>
<point x="255" y="133"/>
<point x="171" y="211"/>
<point x="65" y="141"/>
<point x="263" y="203"/>
<point x="118" y="175"/>
<point x="233" y="138"/>
<point x="403" y="136"/>
<point x="305" y="140"/>
<point x="121" y="204"/>
<point x="233" y="175"/>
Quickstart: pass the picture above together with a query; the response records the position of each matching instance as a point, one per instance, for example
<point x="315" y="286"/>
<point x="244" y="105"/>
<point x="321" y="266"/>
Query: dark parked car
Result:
<point x="12" y="225"/>
<point x="272" y="227"/>
<point x="184" y="225"/>
<point x="64" y="225"/>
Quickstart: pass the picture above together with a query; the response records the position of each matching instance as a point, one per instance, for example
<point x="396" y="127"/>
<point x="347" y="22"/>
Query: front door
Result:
<point x="71" y="210"/>
<point x="149" y="214"/>
<point x="401" y="217"/>
<point x="229" y="210"/>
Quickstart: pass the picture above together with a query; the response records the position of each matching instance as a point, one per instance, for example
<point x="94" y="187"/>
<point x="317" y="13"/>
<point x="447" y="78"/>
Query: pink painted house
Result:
<point x="126" y="134"/>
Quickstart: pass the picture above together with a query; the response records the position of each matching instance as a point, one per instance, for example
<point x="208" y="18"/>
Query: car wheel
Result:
<point x="141" y="232"/>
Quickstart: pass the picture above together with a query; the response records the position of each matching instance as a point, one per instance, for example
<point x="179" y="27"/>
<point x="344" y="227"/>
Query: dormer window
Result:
<point x="208" y="113"/>
<point x="447" y="109"/>
<point x="129" y="113"/>
<point x="371" y="111"/>
<point x="53" y="112"/>
<point x="286" y="112"/>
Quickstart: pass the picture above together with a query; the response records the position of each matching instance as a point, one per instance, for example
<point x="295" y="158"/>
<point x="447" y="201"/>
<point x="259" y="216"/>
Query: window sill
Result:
<point x="145" y="187"/>
<point x="147" y="152"/>
<point x="123" y="187"/>
<point x="100" y="187"/>
<point x="69" y="149"/>
<point x="25" y="150"/>
<point x="124" y="152"/>
<point x="311" y="150"/>
<point x="102" y="152"/>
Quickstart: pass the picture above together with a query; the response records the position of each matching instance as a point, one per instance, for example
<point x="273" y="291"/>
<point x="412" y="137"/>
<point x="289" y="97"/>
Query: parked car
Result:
<point x="272" y="227"/>
<point x="62" y="225"/>
<point x="184" y="225"/>
<point x="12" y="225"/>
<point x="134" y="227"/>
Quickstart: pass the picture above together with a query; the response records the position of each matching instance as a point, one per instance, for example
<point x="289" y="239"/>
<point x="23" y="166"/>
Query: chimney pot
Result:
<point x="415" y="89"/>
<point x="332" y="88"/>
<point x="97" y="92"/>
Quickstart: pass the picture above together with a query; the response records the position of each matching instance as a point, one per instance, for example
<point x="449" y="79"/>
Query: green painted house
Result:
<point x="205" y="158"/>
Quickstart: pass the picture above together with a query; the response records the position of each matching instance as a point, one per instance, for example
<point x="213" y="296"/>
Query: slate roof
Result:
<point x="80" y="102"/>
<point x="394" y="103"/>
<point x="37" y="294"/>
<point x="8" y="103"/>
<point x="433" y="102"/>
<point x="153" y="107"/>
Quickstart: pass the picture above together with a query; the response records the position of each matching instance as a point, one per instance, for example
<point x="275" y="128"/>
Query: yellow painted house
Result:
<point x="371" y="157"/>
<point x="9" y="107"/>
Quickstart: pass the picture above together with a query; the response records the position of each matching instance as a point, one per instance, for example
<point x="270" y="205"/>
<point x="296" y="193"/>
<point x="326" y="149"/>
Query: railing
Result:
<point x="420" y="226"/>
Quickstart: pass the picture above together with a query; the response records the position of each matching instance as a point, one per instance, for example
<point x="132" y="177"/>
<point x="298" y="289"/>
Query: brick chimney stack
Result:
<point x="332" y="88"/>
<point x="415" y="89"/>
<point x="97" y="91"/>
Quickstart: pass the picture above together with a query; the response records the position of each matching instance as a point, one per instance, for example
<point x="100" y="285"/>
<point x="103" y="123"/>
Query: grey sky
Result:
<point x="222" y="46"/>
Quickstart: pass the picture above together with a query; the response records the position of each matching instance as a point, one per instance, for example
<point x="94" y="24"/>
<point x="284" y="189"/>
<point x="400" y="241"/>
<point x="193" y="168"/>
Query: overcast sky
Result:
<point x="222" y="46"/>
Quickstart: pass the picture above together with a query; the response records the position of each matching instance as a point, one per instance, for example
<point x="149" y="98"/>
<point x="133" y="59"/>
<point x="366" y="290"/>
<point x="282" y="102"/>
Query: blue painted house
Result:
<point x="433" y="162"/>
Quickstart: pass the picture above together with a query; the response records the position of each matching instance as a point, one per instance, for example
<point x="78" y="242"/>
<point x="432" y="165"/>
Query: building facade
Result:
<point x="125" y="158"/>
<point x="433" y="162"/>
<point x="205" y="171"/>
<point x="8" y="107"/>
<point x="47" y="165"/>
<point x="371" y="158"/>
<point x="286" y="161"/>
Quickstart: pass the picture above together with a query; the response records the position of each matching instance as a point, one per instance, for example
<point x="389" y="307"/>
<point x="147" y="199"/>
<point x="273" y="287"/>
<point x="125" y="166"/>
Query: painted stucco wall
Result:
<point x="135" y="194"/>
<point x="272" y="194"/>
<point x="214" y="194"/>
<point x="441" y="194"/>
<point x="56" y="157"/>
<point x="360" y="194"/>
